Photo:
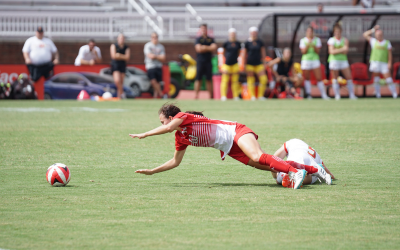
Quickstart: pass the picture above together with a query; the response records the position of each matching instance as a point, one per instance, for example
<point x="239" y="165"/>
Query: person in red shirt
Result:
<point x="231" y="138"/>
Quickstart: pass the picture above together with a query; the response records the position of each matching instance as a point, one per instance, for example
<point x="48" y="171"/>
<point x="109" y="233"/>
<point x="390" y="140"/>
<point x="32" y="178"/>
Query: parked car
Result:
<point x="135" y="79"/>
<point x="69" y="85"/>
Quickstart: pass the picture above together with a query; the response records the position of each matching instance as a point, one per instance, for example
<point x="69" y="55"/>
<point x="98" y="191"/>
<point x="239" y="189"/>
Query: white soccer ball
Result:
<point x="58" y="175"/>
<point x="107" y="95"/>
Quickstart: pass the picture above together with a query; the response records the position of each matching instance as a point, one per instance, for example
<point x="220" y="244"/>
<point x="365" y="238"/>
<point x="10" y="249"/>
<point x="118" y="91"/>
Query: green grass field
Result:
<point x="205" y="203"/>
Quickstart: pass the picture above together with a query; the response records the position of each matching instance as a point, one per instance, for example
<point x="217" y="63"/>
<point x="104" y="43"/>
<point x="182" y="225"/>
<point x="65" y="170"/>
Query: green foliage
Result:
<point x="205" y="203"/>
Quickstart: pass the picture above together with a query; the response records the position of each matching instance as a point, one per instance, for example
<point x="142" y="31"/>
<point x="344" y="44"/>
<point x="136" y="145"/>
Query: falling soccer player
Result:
<point x="231" y="138"/>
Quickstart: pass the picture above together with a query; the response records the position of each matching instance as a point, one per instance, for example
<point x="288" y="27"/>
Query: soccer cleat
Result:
<point x="297" y="178"/>
<point x="223" y="98"/>
<point x="322" y="174"/>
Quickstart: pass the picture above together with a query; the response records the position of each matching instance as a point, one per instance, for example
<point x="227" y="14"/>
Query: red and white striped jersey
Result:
<point x="200" y="131"/>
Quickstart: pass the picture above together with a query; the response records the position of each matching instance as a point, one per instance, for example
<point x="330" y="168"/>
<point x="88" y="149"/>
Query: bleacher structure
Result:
<point x="173" y="20"/>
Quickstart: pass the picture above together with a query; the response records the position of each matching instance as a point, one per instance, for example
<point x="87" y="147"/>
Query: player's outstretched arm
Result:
<point x="163" y="129"/>
<point x="173" y="163"/>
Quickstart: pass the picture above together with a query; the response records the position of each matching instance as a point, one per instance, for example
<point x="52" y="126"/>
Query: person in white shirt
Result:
<point x="154" y="54"/>
<point x="89" y="54"/>
<point x="40" y="55"/>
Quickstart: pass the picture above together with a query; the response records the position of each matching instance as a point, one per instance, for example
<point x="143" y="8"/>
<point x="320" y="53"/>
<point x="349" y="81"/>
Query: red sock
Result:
<point x="276" y="163"/>
<point x="309" y="169"/>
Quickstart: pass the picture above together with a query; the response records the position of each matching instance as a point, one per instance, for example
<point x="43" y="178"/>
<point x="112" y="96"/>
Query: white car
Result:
<point x="135" y="79"/>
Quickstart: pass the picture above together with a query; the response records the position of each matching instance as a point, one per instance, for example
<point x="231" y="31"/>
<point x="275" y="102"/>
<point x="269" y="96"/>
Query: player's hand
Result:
<point x="139" y="136"/>
<point x="55" y="61"/>
<point x="144" y="171"/>
<point x="91" y="62"/>
<point x="389" y="66"/>
<point x="376" y="27"/>
<point x="28" y="61"/>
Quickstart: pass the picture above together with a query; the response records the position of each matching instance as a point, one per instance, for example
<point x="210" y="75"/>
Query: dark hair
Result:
<point x="170" y="109"/>
<point x="91" y="40"/>
<point x="203" y="24"/>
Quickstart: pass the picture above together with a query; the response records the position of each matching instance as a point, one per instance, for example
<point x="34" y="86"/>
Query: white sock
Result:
<point x="336" y="87"/>
<point x="377" y="86"/>
<point x="307" y="87"/>
<point x="391" y="86"/>
<point x="272" y="84"/>
<point x="350" y="87"/>
<point x="321" y="87"/>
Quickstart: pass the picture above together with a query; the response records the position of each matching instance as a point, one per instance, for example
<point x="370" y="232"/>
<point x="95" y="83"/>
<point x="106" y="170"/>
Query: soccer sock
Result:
<point x="307" y="87"/>
<point x="336" y="87"/>
<point x="377" y="86"/>
<point x="224" y="84"/>
<point x="321" y="88"/>
<point x="308" y="168"/>
<point x="250" y="85"/>
<point x="350" y="87"/>
<point x="235" y="85"/>
<point x="391" y="86"/>
<point x="263" y="86"/>
<point x="276" y="163"/>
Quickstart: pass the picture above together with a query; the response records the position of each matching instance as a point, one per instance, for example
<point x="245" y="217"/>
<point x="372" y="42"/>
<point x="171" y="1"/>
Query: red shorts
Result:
<point x="236" y="153"/>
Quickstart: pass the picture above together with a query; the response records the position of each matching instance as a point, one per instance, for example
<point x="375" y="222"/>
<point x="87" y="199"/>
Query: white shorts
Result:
<point x="309" y="65"/>
<point x="378" y="67"/>
<point x="338" y="65"/>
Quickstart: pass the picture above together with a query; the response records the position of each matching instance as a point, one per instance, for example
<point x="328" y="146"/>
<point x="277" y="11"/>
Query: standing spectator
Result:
<point x="255" y="64"/>
<point x="120" y="54"/>
<point x="282" y="68"/>
<point x="231" y="68"/>
<point x="154" y="53"/>
<point x="380" y="60"/>
<point x="204" y="46"/>
<point x="338" y="48"/>
<point x="40" y="55"/>
<point x="88" y="54"/>
<point x="310" y="47"/>
<point x="320" y="8"/>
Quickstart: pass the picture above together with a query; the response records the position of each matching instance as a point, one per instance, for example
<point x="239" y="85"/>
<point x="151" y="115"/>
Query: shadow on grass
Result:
<point x="211" y="185"/>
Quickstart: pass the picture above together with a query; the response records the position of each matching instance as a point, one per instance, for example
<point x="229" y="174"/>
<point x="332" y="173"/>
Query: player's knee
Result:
<point x="255" y="157"/>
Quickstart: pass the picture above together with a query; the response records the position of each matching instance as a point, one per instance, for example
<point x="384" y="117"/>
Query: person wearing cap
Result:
<point x="310" y="46"/>
<point x="231" y="68"/>
<point x="154" y="56"/>
<point x="204" y="46"/>
<point x="40" y="55"/>
<point x="89" y="54"/>
<point x="255" y="64"/>
<point x="380" y="60"/>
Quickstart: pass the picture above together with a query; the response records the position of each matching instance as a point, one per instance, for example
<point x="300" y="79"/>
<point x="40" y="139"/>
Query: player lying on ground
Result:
<point x="298" y="155"/>
<point x="231" y="138"/>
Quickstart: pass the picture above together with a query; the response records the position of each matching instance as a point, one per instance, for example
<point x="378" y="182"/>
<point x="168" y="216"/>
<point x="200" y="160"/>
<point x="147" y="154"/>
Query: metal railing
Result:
<point x="106" y="26"/>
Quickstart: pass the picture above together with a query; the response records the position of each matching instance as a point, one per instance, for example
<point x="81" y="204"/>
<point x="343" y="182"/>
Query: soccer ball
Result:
<point x="58" y="175"/>
<point x="107" y="95"/>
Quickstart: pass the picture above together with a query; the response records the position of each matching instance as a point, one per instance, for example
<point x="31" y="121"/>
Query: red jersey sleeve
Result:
<point x="179" y="145"/>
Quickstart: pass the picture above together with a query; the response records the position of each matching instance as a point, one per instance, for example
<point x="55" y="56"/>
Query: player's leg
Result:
<point x="389" y="82"/>
<point x="347" y="74"/>
<point x="263" y="81"/>
<point x="320" y="83"/>
<point x="251" y="81"/>
<point x="117" y="80"/>
<point x="199" y="78"/>
<point x="122" y="85"/>
<point x="335" y="84"/>
<point x="250" y="146"/>
<point x="209" y="85"/>
<point x="374" y="68"/>
<point x="224" y="81"/>
<point x="307" y="83"/>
